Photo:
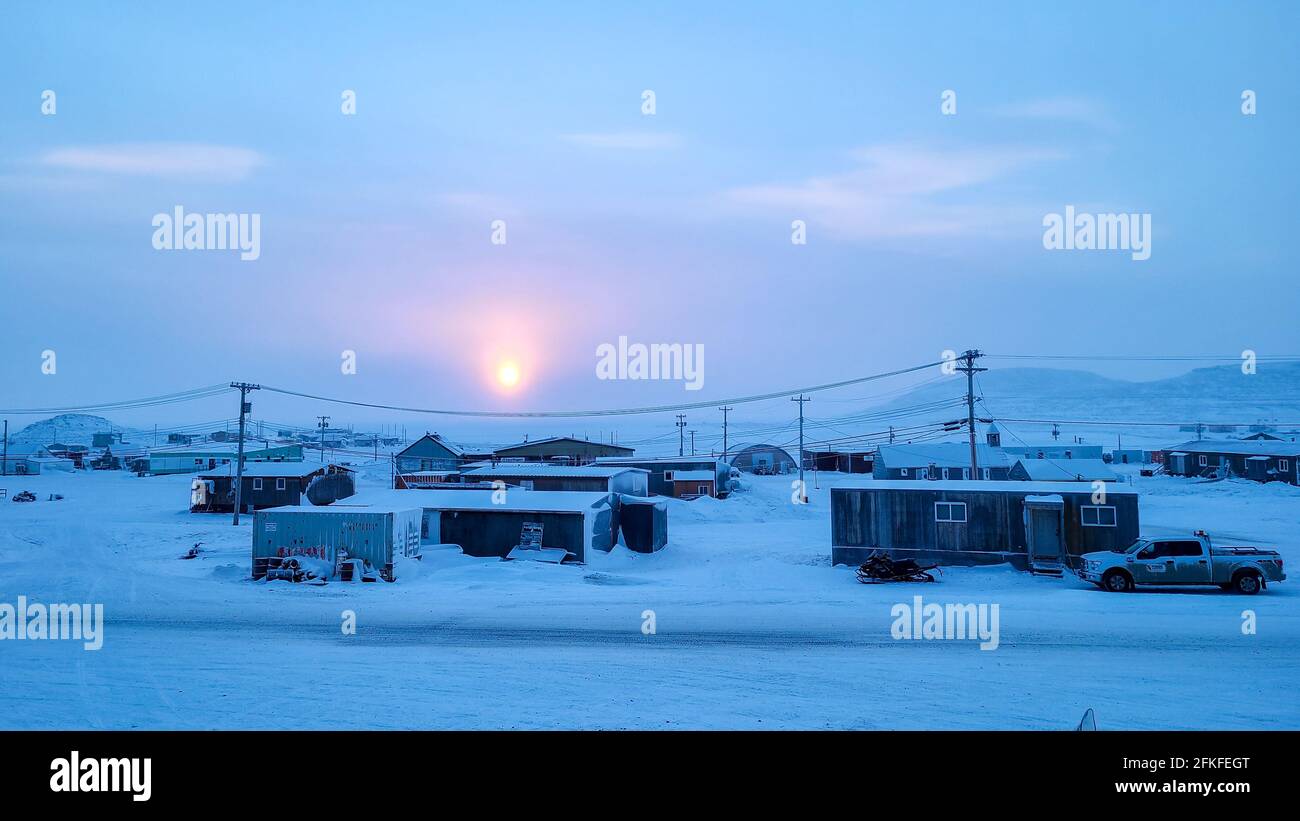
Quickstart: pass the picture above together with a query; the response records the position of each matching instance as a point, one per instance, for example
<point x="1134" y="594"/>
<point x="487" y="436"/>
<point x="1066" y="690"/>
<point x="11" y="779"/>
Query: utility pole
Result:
<point x="692" y="443"/>
<point x="681" y="439"/>
<point x="1056" y="431"/>
<point x="968" y="367"/>
<point x="244" y="408"/>
<point x="891" y="434"/>
<point x="324" y="423"/>
<point x="724" y="410"/>
<point x="4" y="463"/>
<point x="801" y="399"/>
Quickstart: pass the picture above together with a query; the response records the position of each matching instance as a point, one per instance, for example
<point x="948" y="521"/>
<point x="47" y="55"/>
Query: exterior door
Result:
<point x="1046" y="545"/>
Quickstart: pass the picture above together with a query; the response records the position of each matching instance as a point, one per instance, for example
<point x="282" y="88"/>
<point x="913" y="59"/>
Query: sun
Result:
<point x="508" y="374"/>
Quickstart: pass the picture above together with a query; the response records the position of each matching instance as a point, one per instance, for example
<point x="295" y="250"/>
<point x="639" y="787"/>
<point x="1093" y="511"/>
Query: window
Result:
<point x="526" y="484"/>
<point x="1097" y="515"/>
<point x="950" y="512"/>
<point x="1167" y="550"/>
<point x="279" y="484"/>
<point x="987" y="473"/>
<point x="1283" y="465"/>
<point x="945" y="474"/>
<point x="668" y="475"/>
<point x="703" y="490"/>
<point x="257" y="484"/>
<point x="923" y="473"/>
<point x="902" y="472"/>
<point x="1203" y="461"/>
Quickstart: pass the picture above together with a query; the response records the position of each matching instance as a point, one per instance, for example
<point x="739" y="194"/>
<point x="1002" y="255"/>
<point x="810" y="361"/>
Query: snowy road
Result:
<point x="754" y="629"/>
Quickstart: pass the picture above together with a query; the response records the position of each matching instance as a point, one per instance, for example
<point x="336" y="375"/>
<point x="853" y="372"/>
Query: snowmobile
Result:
<point x="879" y="567"/>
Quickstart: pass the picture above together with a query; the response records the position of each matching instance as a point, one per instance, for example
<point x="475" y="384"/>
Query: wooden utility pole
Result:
<point x="801" y="399"/>
<point x="324" y="423"/>
<point x="692" y="443"/>
<point x="968" y="367"/>
<point x="244" y="408"/>
<point x="724" y="410"/>
<point x="681" y="437"/>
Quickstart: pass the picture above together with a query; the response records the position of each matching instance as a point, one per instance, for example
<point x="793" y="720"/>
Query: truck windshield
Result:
<point x="1135" y="546"/>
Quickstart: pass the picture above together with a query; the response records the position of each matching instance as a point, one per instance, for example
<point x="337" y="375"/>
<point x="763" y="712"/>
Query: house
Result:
<point x="1132" y="456"/>
<point x="763" y="459"/>
<point x="939" y="460"/>
<point x="1039" y="526"/>
<point x="560" y="448"/>
<point x="562" y="477"/>
<point x="663" y="472"/>
<point x="692" y="484"/>
<point x="1260" y="460"/>
<point x="1062" y="470"/>
<point x="194" y="458"/>
<point x="429" y="454"/>
<point x="265" y="485"/>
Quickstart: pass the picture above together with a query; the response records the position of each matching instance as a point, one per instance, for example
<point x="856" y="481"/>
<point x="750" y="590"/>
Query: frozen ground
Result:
<point x="755" y="629"/>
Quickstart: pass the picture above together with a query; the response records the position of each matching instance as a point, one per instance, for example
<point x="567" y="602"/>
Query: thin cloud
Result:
<point x="627" y="140"/>
<point x="900" y="191"/>
<point x="1061" y="109"/>
<point x="171" y="160"/>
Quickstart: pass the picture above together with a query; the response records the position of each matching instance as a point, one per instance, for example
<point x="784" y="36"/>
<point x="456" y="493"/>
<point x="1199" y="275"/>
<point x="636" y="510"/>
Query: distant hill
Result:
<point x="67" y="429"/>
<point x="1216" y="394"/>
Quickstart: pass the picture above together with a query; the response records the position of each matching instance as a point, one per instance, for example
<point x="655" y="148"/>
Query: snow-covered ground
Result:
<point x="754" y="628"/>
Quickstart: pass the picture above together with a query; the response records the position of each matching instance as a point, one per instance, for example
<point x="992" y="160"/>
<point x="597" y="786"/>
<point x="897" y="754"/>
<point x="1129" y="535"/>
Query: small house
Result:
<point x="663" y="473"/>
<point x="560" y="448"/>
<point x="1038" y="526"/>
<point x="562" y="477"/>
<point x="265" y="485"/>
<point x="939" y="460"/>
<point x="1258" y="460"/>
<point x="429" y="454"/>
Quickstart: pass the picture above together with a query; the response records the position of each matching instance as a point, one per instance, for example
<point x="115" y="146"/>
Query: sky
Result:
<point x="923" y="226"/>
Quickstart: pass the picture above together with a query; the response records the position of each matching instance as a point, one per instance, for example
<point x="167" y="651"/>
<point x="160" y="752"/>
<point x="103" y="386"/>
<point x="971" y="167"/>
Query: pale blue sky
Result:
<point x="924" y="230"/>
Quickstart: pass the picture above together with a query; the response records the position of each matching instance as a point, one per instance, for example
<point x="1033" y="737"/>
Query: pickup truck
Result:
<point x="1179" y="561"/>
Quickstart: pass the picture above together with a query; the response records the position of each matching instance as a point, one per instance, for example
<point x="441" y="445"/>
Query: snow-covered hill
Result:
<point x="67" y="429"/>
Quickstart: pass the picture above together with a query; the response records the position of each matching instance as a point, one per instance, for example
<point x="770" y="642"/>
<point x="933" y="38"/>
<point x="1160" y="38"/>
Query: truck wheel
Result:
<point x="1246" y="582"/>
<point x="1117" y="581"/>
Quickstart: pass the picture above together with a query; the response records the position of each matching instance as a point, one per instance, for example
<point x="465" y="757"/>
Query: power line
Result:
<point x="126" y="404"/>
<point x="608" y="411"/>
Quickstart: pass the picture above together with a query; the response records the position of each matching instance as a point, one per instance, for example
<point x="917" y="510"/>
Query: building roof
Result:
<point x="940" y="454"/>
<point x="298" y="469"/>
<point x="1057" y="470"/>
<point x="1239" y="447"/>
<point x="550" y="439"/>
<point x="559" y="471"/>
<point x="342" y="507"/>
<point x="515" y="500"/>
<point x="222" y="448"/>
<point x="1008" y="486"/>
<point x="634" y="460"/>
<point x="455" y="450"/>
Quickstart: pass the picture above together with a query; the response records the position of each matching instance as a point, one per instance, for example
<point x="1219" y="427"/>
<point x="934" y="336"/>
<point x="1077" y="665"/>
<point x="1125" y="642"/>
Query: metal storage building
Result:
<point x="662" y="471"/>
<point x="490" y="523"/>
<point x="376" y="533"/>
<point x="1041" y="526"/>
<point x="643" y="524"/>
<point x="542" y="476"/>
<point x="770" y="458"/>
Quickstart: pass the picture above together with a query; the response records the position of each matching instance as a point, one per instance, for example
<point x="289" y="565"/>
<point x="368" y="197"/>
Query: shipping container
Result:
<point x="375" y="534"/>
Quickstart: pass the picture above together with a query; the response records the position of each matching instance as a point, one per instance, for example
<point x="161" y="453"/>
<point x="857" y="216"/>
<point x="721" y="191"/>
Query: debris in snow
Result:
<point x="193" y="552"/>
<point x="25" y="496"/>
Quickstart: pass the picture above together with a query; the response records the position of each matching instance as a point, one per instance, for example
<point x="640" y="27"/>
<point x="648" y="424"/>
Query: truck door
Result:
<point x="1190" y="563"/>
<point x="1153" y="564"/>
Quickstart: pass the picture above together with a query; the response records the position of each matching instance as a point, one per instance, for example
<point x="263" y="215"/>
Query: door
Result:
<point x="1044" y="532"/>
